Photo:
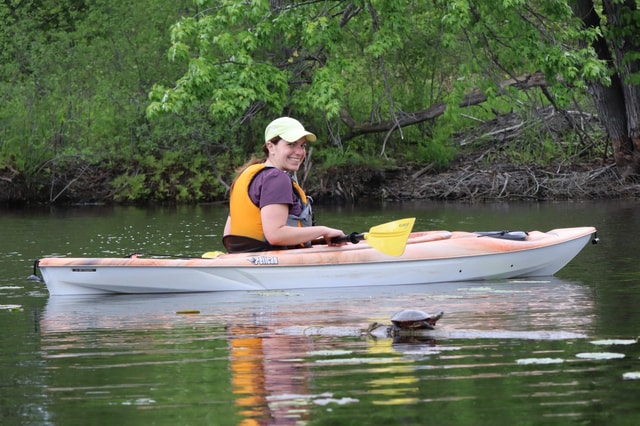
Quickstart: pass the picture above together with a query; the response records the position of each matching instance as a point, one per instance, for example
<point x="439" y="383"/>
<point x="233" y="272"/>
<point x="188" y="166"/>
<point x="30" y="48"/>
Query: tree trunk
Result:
<point x="618" y="104"/>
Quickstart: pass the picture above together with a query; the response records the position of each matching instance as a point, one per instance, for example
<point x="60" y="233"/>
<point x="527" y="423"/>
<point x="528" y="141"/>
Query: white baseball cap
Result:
<point x="287" y="128"/>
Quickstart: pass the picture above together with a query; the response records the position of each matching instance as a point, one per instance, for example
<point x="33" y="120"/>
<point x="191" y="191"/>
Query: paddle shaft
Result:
<point x="353" y="238"/>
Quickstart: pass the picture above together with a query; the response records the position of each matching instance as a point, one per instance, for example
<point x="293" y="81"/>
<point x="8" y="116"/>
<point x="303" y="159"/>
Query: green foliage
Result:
<point x="74" y="79"/>
<point x="223" y="64"/>
<point x="376" y="59"/>
<point x="438" y="149"/>
<point x="169" y="96"/>
<point x="167" y="179"/>
<point x="353" y="156"/>
<point x="303" y="58"/>
<point x="517" y="37"/>
<point x="130" y="187"/>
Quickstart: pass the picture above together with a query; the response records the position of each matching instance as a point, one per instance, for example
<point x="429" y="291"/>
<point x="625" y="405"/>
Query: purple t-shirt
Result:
<point x="273" y="186"/>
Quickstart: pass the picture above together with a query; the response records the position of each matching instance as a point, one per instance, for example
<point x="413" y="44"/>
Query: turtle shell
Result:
<point x="414" y="318"/>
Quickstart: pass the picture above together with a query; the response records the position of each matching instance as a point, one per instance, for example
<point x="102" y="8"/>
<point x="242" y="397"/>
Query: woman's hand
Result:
<point x="330" y="233"/>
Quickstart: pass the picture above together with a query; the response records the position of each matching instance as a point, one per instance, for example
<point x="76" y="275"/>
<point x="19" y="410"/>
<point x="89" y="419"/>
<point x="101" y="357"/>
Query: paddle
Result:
<point x="389" y="238"/>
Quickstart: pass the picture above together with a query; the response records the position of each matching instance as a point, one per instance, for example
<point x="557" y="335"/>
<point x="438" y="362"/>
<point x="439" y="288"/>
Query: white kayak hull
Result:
<point x="429" y="257"/>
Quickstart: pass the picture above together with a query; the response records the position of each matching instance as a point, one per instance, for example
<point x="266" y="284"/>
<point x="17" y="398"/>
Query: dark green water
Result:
<point x="557" y="350"/>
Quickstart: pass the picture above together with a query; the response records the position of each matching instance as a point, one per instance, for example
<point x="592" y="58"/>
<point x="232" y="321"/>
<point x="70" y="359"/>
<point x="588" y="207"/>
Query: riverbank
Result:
<point x="466" y="180"/>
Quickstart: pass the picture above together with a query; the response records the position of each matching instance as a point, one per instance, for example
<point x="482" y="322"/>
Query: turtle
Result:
<point x="406" y="321"/>
<point x="413" y="319"/>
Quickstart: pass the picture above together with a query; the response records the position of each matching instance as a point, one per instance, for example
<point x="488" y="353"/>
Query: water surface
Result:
<point x="553" y="350"/>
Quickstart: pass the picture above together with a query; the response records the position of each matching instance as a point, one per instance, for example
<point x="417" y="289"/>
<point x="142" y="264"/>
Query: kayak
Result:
<point x="424" y="257"/>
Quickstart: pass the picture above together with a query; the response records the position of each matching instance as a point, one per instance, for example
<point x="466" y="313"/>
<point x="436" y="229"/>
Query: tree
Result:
<point x="379" y="66"/>
<point x="315" y="59"/>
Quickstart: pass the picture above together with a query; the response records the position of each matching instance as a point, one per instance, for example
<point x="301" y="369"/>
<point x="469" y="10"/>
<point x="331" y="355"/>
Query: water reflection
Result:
<point x="513" y="305"/>
<point x="239" y="358"/>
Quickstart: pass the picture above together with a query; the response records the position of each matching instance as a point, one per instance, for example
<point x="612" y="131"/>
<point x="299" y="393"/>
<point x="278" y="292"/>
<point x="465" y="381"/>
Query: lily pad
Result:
<point x="340" y="401"/>
<point x="615" y="342"/>
<point x="632" y="375"/>
<point x="354" y="361"/>
<point x="333" y="352"/>
<point x="529" y="361"/>
<point x="11" y="308"/>
<point x="600" y="355"/>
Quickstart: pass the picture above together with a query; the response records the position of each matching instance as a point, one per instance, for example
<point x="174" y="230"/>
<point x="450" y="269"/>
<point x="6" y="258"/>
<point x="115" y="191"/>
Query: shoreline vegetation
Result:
<point x="483" y="173"/>
<point x="465" y="181"/>
<point x="483" y="170"/>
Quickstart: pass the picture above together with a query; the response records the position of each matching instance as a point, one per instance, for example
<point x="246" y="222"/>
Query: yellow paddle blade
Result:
<point x="212" y="254"/>
<point x="391" y="237"/>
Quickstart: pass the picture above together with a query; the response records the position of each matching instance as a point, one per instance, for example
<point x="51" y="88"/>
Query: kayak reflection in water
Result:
<point x="267" y="207"/>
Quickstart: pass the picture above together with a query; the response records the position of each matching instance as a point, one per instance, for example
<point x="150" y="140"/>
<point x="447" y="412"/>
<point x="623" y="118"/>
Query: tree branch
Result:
<point x="406" y="119"/>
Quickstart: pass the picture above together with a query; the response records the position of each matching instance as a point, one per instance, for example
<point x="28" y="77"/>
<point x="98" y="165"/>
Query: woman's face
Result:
<point x="287" y="156"/>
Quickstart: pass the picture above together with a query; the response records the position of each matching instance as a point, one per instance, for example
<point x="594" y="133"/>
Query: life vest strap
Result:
<point x="242" y="244"/>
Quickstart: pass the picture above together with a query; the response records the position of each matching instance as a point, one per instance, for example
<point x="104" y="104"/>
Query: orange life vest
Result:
<point x="245" y="215"/>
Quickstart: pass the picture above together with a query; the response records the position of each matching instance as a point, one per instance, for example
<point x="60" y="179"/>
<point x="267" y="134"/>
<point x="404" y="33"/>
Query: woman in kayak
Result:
<point x="267" y="207"/>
